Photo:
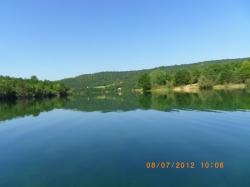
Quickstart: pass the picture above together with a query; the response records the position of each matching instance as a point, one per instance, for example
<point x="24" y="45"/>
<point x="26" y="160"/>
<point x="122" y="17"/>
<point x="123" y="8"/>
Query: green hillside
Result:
<point x="108" y="79"/>
<point x="129" y="79"/>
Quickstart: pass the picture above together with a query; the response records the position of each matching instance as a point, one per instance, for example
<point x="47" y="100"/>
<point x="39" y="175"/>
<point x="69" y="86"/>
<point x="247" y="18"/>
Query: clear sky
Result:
<point x="54" y="39"/>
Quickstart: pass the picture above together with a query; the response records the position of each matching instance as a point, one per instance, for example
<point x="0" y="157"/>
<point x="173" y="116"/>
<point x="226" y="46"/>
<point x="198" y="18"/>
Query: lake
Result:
<point x="107" y="140"/>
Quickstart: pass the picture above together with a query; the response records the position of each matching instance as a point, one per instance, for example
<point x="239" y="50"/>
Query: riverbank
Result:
<point x="194" y="88"/>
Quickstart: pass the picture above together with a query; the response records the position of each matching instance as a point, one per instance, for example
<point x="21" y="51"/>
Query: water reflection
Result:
<point x="22" y="108"/>
<point x="203" y="101"/>
<point x="210" y="100"/>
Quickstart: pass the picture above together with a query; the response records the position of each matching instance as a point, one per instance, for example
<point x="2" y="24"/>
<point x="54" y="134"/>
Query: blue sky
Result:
<point x="54" y="39"/>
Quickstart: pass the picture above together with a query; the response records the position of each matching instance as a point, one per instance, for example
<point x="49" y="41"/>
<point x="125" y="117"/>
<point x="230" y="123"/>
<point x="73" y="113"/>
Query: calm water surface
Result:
<point x="106" y="141"/>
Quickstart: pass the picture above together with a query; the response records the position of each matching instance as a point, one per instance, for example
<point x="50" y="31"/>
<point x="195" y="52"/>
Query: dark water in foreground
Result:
<point x="106" y="141"/>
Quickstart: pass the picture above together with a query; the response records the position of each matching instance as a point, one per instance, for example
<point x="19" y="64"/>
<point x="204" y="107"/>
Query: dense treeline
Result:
<point x="209" y="72"/>
<point x="13" y="88"/>
<point x="205" y="75"/>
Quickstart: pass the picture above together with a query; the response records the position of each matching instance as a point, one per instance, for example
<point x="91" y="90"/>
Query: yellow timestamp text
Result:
<point x="184" y="165"/>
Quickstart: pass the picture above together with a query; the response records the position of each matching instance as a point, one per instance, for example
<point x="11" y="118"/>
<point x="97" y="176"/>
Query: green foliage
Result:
<point x="168" y="77"/>
<point x="126" y="80"/>
<point x="169" y="84"/>
<point x="218" y="71"/>
<point x="182" y="77"/>
<point x="212" y="72"/>
<point x="225" y="75"/>
<point x="34" y="78"/>
<point x="12" y="88"/>
<point x="145" y="82"/>
<point x="205" y="83"/>
<point x="169" y="80"/>
<point x="248" y="83"/>
<point x="245" y="70"/>
<point x="196" y="73"/>
<point x="158" y="77"/>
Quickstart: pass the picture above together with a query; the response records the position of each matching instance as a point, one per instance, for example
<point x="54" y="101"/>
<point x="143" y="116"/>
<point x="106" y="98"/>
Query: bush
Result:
<point x="245" y="70"/>
<point x="182" y="77"/>
<point x="144" y="82"/>
<point x="169" y="84"/>
<point x="248" y="83"/>
<point x="158" y="77"/>
<point x="204" y="83"/>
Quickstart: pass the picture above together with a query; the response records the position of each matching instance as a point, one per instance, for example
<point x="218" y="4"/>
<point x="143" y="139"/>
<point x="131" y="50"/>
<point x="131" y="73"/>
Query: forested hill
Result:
<point x="129" y="79"/>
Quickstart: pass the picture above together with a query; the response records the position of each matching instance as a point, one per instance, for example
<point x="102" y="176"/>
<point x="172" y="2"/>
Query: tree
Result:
<point x="245" y="70"/>
<point x="195" y="75"/>
<point x="158" y="77"/>
<point x="34" y="78"/>
<point x="205" y="83"/>
<point x="12" y="88"/>
<point x="226" y="75"/>
<point x="168" y="76"/>
<point x="6" y="91"/>
<point x="144" y="82"/>
<point x="169" y="80"/>
<point x="248" y="83"/>
<point x="182" y="77"/>
<point x="212" y="72"/>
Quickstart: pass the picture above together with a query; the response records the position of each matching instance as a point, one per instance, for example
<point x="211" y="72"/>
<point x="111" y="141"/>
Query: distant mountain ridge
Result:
<point x="128" y="79"/>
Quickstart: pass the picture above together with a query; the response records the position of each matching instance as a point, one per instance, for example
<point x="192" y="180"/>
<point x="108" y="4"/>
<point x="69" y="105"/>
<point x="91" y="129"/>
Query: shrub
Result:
<point x="204" y="83"/>
<point x="182" y="77"/>
<point x="144" y="82"/>
<point x="248" y="83"/>
<point x="158" y="77"/>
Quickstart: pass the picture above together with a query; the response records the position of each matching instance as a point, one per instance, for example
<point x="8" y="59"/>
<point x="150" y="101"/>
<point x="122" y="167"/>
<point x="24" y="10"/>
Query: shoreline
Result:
<point x="194" y="88"/>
